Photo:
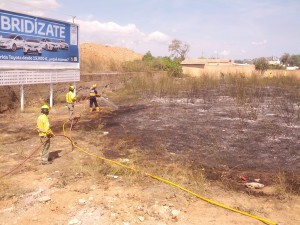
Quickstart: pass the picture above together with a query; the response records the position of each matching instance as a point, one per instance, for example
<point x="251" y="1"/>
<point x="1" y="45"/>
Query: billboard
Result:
<point x="30" y="42"/>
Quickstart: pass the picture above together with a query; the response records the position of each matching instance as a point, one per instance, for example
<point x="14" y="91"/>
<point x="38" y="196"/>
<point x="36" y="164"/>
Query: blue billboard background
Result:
<point x="29" y="38"/>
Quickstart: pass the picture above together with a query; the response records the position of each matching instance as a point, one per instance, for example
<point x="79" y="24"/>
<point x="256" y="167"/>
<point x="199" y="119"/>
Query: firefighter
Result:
<point x="70" y="99"/>
<point x="93" y="95"/>
<point x="45" y="133"/>
<point x="270" y="75"/>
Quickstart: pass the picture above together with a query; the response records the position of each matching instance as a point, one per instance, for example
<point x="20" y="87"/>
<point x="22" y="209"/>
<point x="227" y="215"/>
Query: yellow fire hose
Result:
<point x="147" y="174"/>
<point x="167" y="182"/>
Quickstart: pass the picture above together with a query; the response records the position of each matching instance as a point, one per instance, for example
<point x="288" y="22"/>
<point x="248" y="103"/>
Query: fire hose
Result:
<point x="136" y="170"/>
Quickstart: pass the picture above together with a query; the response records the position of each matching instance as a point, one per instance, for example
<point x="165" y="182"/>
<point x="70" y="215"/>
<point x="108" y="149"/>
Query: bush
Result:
<point x="261" y="64"/>
<point x="150" y="63"/>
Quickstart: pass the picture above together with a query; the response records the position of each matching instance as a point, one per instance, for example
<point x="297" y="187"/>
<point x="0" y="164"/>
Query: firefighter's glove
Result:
<point x="74" y="99"/>
<point x="50" y="134"/>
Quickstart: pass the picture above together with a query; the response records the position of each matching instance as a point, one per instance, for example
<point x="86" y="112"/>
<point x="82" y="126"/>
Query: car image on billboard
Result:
<point x="63" y="44"/>
<point x="28" y="41"/>
<point x="49" y="45"/>
<point x="11" y="42"/>
<point x="32" y="46"/>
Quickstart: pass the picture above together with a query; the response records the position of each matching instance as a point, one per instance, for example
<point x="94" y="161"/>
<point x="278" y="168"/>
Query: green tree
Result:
<point x="179" y="49"/>
<point x="148" y="56"/>
<point x="239" y="61"/>
<point x="285" y="58"/>
<point x="172" y="66"/>
<point x="294" y="60"/>
<point x="261" y="64"/>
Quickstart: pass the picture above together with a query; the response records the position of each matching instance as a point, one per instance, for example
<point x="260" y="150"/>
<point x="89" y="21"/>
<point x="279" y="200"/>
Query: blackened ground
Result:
<point x="219" y="137"/>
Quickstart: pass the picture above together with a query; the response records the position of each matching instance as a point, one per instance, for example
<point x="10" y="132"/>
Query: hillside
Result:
<point x="97" y="57"/>
<point x="88" y="50"/>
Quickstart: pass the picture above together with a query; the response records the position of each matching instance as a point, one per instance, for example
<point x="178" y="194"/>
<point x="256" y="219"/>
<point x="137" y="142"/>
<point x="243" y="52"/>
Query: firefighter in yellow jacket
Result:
<point x="93" y="95"/>
<point x="70" y="99"/>
<point x="45" y="133"/>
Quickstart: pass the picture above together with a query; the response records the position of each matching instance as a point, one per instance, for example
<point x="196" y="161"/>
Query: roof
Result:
<point x="204" y="61"/>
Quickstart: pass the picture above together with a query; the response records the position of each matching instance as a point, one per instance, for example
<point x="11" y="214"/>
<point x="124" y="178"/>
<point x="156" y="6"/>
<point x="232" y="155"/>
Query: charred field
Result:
<point x="227" y="130"/>
<point x="206" y="134"/>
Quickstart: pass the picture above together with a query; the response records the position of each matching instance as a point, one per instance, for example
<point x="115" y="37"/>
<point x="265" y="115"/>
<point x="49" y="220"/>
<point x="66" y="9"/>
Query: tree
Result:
<point x="285" y="58"/>
<point x="238" y="61"/>
<point x="261" y="64"/>
<point x="294" y="60"/>
<point x="148" y="56"/>
<point x="172" y="66"/>
<point x="179" y="49"/>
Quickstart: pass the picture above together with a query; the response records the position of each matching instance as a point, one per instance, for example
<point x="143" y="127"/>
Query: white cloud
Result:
<point x="111" y="33"/>
<point x="225" y="52"/>
<point x="263" y="42"/>
<point x="158" y="36"/>
<point x="35" y="7"/>
<point x="93" y="30"/>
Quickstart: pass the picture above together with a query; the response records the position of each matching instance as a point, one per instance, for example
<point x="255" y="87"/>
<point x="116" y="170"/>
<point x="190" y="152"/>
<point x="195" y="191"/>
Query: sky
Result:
<point x="232" y="29"/>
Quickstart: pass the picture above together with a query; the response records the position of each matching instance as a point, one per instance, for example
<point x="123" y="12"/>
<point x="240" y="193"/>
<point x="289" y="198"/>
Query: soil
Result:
<point x="213" y="135"/>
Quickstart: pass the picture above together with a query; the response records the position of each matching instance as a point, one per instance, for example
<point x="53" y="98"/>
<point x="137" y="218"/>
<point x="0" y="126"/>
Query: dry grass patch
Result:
<point x="9" y="189"/>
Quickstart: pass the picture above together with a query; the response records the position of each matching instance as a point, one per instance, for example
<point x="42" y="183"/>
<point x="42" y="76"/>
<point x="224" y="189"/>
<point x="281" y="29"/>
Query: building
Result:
<point x="273" y="60"/>
<point x="197" y="67"/>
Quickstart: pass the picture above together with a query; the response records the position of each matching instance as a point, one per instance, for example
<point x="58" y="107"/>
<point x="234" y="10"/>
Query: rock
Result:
<point x="254" y="185"/>
<point x="81" y="201"/>
<point x="175" y="213"/>
<point x="141" y="218"/>
<point x="257" y="180"/>
<point x="124" y="160"/>
<point x="74" y="221"/>
<point x="44" y="199"/>
<point x="12" y="154"/>
<point x="112" y="176"/>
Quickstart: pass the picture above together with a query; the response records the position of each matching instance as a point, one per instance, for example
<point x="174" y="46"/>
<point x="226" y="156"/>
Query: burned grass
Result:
<point x="229" y="130"/>
<point x="221" y="129"/>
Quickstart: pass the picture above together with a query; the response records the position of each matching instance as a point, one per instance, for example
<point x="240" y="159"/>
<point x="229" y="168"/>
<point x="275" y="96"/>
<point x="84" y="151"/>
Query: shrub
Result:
<point x="150" y="63"/>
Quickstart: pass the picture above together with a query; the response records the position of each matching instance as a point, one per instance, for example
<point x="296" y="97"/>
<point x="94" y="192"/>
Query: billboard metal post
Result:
<point x="75" y="87"/>
<point x="51" y="94"/>
<point x="22" y="97"/>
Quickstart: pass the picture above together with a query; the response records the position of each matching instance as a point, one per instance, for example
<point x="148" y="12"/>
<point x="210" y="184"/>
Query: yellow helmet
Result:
<point x="94" y="85"/>
<point x="71" y="88"/>
<point x="45" y="109"/>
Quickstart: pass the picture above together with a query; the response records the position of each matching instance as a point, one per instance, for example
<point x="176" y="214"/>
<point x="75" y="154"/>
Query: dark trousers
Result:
<point x="93" y="101"/>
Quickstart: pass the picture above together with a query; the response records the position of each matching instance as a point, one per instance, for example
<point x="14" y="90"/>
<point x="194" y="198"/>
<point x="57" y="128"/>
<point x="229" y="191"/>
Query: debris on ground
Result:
<point x="255" y="185"/>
